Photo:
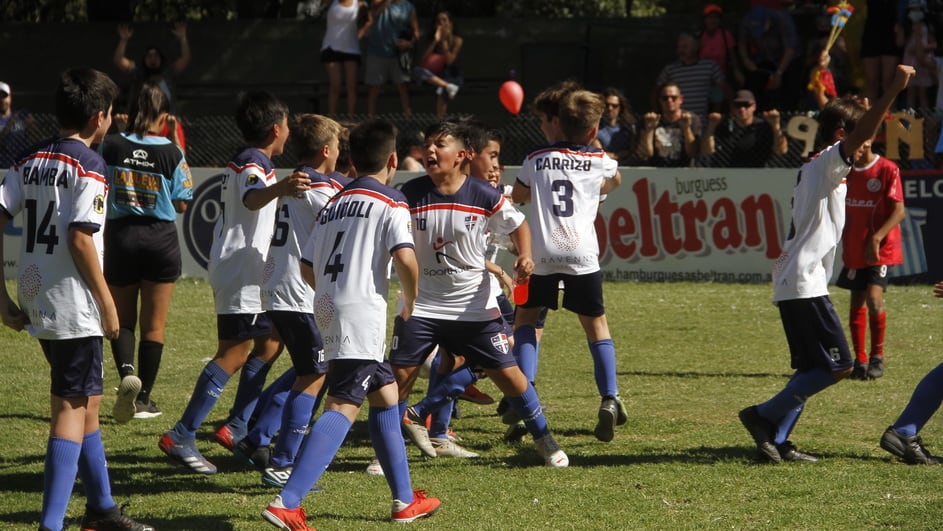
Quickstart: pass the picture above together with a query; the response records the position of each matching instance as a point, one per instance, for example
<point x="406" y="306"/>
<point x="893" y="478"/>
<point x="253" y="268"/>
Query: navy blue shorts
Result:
<point x="302" y="339"/>
<point x="242" y="326"/>
<point x="815" y="335"/>
<point x="353" y="380"/>
<point x="860" y="279"/>
<point x="483" y="343"/>
<point x="140" y="248"/>
<point x="75" y="366"/>
<point x="582" y="294"/>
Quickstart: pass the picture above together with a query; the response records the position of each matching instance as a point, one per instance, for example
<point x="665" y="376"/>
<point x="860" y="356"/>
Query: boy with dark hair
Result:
<point x="63" y="298"/>
<point x="565" y="182"/>
<point x="241" y="242"/>
<point x="347" y="261"/>
<point x="817" y="344"/>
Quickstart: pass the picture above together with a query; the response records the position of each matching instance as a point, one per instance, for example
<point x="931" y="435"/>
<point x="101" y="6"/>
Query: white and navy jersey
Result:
<point x="565" y="181"/>
<point x="241" y="238"/>
<point x="59" y="187"/>
<point x="282" y="286"/>
<point x="449" y="231"/>
<point x="818" y="216"/>
<point x="350" y="250"/>
<point x="146" y="175"/>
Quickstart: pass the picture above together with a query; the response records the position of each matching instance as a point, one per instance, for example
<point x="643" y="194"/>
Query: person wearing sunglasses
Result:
<point x="742" y="139"/>
<point x="669" y="138"/>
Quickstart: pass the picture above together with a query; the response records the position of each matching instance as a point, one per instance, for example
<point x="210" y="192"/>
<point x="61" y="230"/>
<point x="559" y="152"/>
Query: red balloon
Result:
<point x="512" y="96"/>
<point x="434" y="62"/>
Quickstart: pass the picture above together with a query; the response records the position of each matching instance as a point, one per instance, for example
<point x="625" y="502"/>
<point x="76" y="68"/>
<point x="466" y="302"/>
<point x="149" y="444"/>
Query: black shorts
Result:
<point x="140" y="248"/>
<point x="815" y="335"/>
<point x="353" y="380"/>
<point x="329" y="55"/>
<point x="75" y="366"/>
<point x="582" y="294"/>
<point x="483" y="343"/>
<point x="302" y="339"/>
<point x="860" y="279"/>
<point x="242" y="326"/>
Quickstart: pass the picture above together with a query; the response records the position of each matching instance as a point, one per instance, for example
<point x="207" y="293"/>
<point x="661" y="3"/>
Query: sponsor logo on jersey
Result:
<point x="99" y="204"/>
<point x="139" y="158"/>
<point x="139" y="154"/>
<point x="440" y="243"/>
<point x="500" y="342"/>
<point x="874" y="184"/>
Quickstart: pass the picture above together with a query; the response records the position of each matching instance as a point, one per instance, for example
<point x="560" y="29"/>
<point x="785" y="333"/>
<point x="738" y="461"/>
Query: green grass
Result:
<point x="690" y="356"/>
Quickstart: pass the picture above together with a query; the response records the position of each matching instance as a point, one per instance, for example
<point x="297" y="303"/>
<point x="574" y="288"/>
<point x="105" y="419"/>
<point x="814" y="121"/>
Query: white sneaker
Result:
<point x="451" y="89"/>
<point x="374" y="468"/>
<point x="128" y="390"/>
<point x="419" y="435"/>
<point x="553" y="456"/>
<point x="448" y="448"/>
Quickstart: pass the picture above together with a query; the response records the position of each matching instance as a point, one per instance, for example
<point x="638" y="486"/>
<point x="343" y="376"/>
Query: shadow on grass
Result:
<point x="700" y="374"/>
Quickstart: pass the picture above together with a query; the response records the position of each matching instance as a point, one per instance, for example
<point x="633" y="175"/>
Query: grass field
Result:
<point x="690" y="356"/>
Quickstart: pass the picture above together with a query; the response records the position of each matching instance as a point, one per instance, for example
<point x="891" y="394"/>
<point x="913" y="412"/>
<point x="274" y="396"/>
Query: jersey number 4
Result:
<point x="43" y="232"/>
<point x="336" y="265"/>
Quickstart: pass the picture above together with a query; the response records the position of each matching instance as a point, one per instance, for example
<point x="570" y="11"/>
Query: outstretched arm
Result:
<point x="121" y="61"/>
<point x="182" y="62"/>
<point x="868" y="125"/>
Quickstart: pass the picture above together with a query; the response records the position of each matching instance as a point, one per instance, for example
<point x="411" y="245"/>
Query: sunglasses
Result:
<point x="612" y="105"/>
<point x="742" y="104"/>
<point x="669" y="97"/>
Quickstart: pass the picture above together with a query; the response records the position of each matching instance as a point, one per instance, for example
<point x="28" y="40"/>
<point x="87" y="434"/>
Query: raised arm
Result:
<point x="182" y="62"/>
<point x="868" y="125"/>
<point x="120" y="57"/>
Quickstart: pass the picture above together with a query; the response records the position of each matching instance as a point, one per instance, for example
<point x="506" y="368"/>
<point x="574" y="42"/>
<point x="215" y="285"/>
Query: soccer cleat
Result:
<point x="553" y="456"/>
<point x="283" y="518"/>
<point x="146" y="410"/>
<point x="375" y="468"/>
<point x="503" y="405"/>
<point x="252" y="455"/>
<point x="447" y="448"/>
<point x="452" y="435"/>
<point x="473" y="394"/>
<point x="113" y="519"/>
<point x="762" y="432"/>
<point x="515" y="433"/>
<point x="623" y="412"/>
<point x="605" y="426"/>
<point x="909" y="449"/>
<point x="875" y="367"/>
<point x="186" y="454"/>
<point x="510" y="416"/>
<point x="228" y="437"/>
<point x="276" y="476"/>
<point x="789" y="452"/>
<point x="451" y="89"/>
<point x="421" y="507"/>
<point x="128" y="389"/>
<point x="415" y="428"/>
<point x="860" y="372"/>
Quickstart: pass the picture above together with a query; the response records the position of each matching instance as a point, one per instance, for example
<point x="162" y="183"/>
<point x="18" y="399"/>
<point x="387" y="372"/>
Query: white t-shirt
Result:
<point x="282" y="286"/>
<point x="818" y="216"/>
<point x="350" y="250"/>
<point x="62" y="185"/>
<point x="241" y="238"/>
<point x="565" y="181"/>
<point x="449" y="231"/>
<point x="340" y="34"/>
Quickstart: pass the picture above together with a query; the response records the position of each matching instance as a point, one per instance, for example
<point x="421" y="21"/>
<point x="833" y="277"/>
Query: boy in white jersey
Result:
<point x="564" y="181"/>
<point x="455" y="307"/>
<point x="817" y="344"/>
<point x="347" y="261"/>
<point x="237" y="259"/>
<point x="63" y="297"/>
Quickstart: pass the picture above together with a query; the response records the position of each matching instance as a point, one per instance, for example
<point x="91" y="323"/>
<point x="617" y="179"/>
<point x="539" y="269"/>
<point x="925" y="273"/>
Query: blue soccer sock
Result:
<point x="295" y="418"/>
<point x="443" y="389"/>
<point x="383" y="424"/>
<point x="798" y="389"/>
<point x="208" y="388"/>
<point x="525" y="351"/>
<point x="528" y="408"/>
<point x="317" y="452"/>
<point x="251" y="382"/>
<point x="269" y="415"/>
<point x="923" y="403"/>
<point x="787" y="423"/>
<point x="604" y="367"/>
<point x="62" y="464"/>
<point x="93" y="469"/>
<point x="441" y="418"/>
<point x="402" y="406"/>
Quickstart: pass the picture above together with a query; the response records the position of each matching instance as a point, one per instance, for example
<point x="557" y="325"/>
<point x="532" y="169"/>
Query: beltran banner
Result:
<point x="660" y="225"/>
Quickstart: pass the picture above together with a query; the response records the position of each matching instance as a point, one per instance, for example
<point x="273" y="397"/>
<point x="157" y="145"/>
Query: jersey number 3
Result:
<point x="562" y="198"/>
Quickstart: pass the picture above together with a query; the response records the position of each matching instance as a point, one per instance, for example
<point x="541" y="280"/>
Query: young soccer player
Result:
<point x="565" y="181"/>
<point x="63" y="297"/>
<point x="237" y="263"/>
<point x="871" y="244"/>
<point x="817" y="344"/>
<point x="289" y="302"/>
<point x="455" y="307"/>
<point x="347" y="261"/>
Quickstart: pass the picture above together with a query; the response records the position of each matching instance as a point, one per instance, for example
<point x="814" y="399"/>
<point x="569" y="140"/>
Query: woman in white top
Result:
<point x="340" y="50"/>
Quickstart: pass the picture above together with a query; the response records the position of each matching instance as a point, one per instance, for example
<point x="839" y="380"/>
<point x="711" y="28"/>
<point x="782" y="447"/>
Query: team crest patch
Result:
<point x="252" y="179"/>
<point x="500" y="342"/>
<point x="471" y="221"/>
<point x="874" y="185"/>
<point x="99" y="204"/>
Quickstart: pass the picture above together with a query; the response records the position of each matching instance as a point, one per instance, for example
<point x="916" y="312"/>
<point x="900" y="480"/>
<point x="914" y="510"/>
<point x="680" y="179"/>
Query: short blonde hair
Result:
<point x="580" y="111"/>
<point x="311" y="132"/>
